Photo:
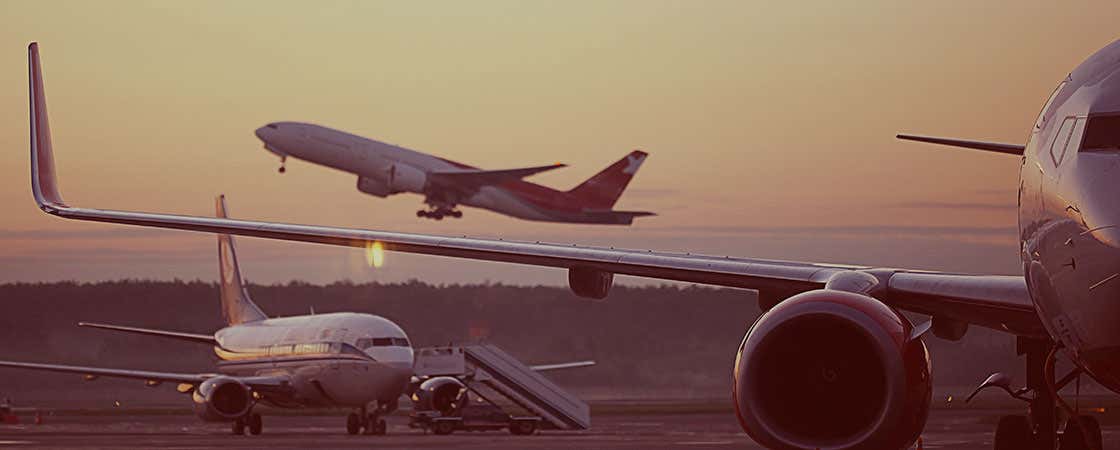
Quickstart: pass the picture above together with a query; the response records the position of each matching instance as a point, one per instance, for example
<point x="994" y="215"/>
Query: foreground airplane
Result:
<point x="833" y="363"/>
<point x="348" y="360"/>
<point x="385" y="169"/>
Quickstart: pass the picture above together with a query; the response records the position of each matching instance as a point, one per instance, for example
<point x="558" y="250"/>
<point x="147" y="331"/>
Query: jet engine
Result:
<point x="444" y="394"/>
<point x="832" y="369"/>
<point x="397" y="178"/>
<point x="221" y="399"/>
<point x="590" y="283"/>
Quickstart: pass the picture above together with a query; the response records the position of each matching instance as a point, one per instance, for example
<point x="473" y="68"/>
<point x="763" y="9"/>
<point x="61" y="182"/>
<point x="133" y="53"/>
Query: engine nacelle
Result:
<point x="832" y="369"/>
<point x="222" y="399"/>
<point x="444" y="394"/>
<point x="590" y="283"/>
<point x="396" y="178"/>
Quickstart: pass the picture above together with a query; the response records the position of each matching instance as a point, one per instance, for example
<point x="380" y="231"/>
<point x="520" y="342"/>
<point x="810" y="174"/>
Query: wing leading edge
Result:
<point x="937" y="294"/>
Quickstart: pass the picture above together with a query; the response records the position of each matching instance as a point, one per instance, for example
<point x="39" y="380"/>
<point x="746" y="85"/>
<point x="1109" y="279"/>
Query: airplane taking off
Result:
<point x="347" y="360"/>
<point x="833" y="363"/>
<point x="385" y="169"/>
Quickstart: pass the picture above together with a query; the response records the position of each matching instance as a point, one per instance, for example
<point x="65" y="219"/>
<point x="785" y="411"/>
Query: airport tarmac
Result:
<point x="947" y="429"/>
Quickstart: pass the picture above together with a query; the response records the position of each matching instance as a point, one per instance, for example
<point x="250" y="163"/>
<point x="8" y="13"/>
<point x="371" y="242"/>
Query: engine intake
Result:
<point x="444" y="394"/>
<point x="222" y="399"/>
<point x="832" y="369"/>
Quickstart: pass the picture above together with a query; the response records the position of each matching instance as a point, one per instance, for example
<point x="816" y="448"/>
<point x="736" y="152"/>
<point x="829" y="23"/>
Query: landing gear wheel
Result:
<point x="421" y="213"/>
<point x="443" y="427"/>
<point x="1073" y="439"/>
<point x="375" y="425"/>
<point x="523" y="427"/>
<point x="238" y="428"/>
<point x="256" y="425"/>
<point x="456" y="214"/>
<point x="353" y="423"/>
<point x="282" y="169"/>
<point x="1013" y="432"/>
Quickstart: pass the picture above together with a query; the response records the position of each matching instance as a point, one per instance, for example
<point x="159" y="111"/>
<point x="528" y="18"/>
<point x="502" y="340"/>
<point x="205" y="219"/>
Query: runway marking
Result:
<point x="16" y="442"/>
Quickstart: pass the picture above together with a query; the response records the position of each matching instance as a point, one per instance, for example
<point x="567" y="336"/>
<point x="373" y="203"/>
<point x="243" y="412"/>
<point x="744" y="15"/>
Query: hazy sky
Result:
<point x="770" y="124"/>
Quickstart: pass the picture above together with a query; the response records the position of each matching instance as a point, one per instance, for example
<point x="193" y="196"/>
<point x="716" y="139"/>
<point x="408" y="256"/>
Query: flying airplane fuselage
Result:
<point x="385" y="169"/>
<point x="337" y="359"/>
<point x="1069" y="215"/>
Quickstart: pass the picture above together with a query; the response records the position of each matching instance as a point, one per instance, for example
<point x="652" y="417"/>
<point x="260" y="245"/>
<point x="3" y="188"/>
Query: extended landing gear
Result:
<point x="369" y="423"/>
<point x="251" y="421"/>
<point x="283" y="162"/>
<point x="439" y="213"/>
<point x="1038" y="430"/>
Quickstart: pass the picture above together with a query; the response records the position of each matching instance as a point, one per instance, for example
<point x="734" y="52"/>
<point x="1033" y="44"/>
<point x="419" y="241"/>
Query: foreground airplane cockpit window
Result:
<point x="1102" y="134"/>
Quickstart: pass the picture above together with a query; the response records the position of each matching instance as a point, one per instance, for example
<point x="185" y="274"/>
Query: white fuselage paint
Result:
<point x="329" y="358"/>
<point x="372" y="159"/>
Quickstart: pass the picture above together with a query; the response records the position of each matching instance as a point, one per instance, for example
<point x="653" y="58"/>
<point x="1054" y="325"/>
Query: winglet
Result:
<point x="44" y="184"/>
<point x="237" y="306"/>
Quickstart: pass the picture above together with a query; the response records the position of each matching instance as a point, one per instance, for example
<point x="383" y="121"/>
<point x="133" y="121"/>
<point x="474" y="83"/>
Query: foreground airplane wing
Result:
<point x="1000" y="302"/>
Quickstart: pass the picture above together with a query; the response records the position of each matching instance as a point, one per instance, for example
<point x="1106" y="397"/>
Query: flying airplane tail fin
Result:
<point x="602" y="190"/>
<point x="237" y="306"/>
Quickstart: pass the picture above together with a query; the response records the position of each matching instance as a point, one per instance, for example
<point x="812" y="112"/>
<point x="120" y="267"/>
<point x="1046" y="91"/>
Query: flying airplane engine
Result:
<point x="832" y="369"/>
<point x="590" y="283"/>
<point x="396" y="179"/>
<point x="444" y="394"/>
<point x="222" y="399"/>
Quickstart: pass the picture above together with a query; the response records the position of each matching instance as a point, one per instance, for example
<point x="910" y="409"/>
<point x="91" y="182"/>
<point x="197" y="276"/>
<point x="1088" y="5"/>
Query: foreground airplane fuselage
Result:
<point x="385" y="169"/>
<point x="338" y="359"/>
<point x="1069" y="215"/>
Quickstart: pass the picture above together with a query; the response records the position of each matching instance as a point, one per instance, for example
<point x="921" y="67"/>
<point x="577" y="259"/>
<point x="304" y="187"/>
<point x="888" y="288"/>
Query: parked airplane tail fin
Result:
<point x="237" y="307"/>
<point x="602" y="190"/>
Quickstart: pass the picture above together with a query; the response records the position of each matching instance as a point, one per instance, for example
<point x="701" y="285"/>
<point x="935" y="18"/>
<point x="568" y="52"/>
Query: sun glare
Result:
<point x="375" y="254"/>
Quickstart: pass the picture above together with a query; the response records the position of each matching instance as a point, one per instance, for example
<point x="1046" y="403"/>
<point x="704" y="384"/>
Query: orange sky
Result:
<point x="770" y="126"/>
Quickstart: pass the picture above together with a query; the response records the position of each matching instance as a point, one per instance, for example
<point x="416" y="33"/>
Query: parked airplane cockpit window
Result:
<point x="1102" y="134"/>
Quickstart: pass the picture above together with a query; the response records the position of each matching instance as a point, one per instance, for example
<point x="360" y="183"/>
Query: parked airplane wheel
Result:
<point x="1013" y="432"/>
<point x="443" y="427"/>
<point x="523" y="427"/>
<point x="256" y="424"/>
<point x="238" y="427"/>
<point x="376" y="425"/>
<point x="1073" y="439"/>
<point x="353" y="423"/>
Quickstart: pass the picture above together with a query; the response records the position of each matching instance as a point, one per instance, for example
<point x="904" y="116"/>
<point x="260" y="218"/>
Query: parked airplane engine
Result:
<point x="221" y="399"/>
<point x="590" y="283"/>
<point x="444" y="394"/>
<point x="396" y="179"/>
<point x="832" y="369"/>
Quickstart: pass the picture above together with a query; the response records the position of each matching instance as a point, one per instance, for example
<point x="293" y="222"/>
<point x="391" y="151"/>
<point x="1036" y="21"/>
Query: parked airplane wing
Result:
<point x="1000" y="302"/>
<point x="200" y="338"/>
<point x="1013" y="149"/>
<point x="117" y="373"/>
<point x="472" y="179"/>
<point x="559" y="366"/>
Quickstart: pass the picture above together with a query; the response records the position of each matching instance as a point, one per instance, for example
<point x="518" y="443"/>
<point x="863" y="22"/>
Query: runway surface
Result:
<point x="947" y="429"/>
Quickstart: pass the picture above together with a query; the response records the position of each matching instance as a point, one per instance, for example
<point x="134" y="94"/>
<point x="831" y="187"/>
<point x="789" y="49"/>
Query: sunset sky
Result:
<point x="769" y="124"/>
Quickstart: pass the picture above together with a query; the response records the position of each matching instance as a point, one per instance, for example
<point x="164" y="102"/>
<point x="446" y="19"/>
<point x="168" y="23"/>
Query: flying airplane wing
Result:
<point x="473" y="178"/>
<point x="191" y="337"/>
<point x="1000" y="302"/>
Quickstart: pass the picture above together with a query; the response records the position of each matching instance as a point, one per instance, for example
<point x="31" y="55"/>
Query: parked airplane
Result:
<point x="833" y="363"/>
<point x="327" y="360"/>
<point x="385" y="169"/>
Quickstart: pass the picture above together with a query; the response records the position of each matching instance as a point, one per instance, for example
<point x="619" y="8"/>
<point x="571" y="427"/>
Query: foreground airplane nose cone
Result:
<point x="260" y="132"/>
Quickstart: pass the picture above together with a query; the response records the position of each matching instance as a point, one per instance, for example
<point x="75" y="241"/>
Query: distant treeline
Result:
<point x="646" y="339"/>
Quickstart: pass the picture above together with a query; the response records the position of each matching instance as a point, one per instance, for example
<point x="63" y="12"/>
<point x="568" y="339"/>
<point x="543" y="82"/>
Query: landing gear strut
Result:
<point x="283" y="161"/>
<point x="1038" y="429"/>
